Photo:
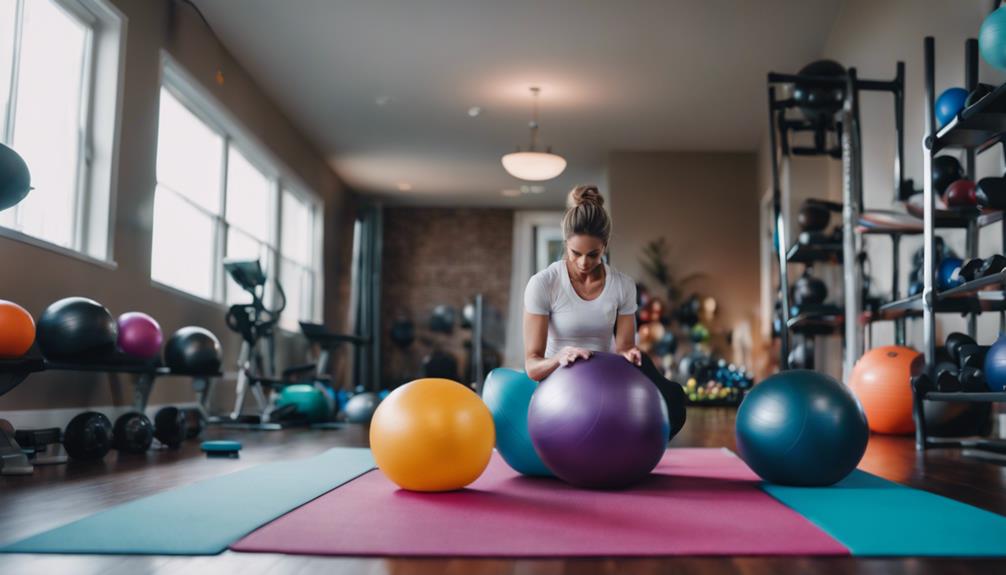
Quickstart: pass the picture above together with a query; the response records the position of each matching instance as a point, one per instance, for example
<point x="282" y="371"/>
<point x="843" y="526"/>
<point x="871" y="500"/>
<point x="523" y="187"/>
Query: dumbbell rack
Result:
<point x="15" y="371"/>
<point x="975" y="130"/>
<point x="847" y="127"/>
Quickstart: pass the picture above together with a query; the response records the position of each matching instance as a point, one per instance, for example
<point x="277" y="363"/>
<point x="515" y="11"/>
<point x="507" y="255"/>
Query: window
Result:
<point x="52" y="55"/>
<point x="219" y="196"/>
<point x="298" y="267"/>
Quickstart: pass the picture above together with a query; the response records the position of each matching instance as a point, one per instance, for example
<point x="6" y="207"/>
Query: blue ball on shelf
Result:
<point x="949" y="104"/>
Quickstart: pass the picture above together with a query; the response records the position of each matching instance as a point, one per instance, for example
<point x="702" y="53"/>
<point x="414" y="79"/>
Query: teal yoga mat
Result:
<point x="875" y="517"/>
<point x="205" y="517"/>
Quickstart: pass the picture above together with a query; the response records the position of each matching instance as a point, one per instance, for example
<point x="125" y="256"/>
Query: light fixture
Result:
<point x="474" y="111"/>
<point x="534" y="165"/>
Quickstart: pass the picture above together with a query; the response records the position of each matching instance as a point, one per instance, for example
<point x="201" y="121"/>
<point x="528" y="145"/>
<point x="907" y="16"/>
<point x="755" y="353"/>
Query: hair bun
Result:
<point x="585" y="196"/>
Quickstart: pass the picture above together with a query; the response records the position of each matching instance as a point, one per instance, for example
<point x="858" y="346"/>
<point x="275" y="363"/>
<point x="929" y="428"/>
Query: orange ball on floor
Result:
<point x="17" y="330"/>
<point x="882" y="380"/>
<point x="432" y="435"/>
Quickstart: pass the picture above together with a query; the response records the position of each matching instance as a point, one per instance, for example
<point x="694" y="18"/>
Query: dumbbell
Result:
<point x="971" y="269"/>
<point x="922" y="383"/>
<point x="947" y="380"/>
<point x="133" y="433"/>
<point x="993" y="265"/>
<point x="991" y="193"/>
<point x="971" y="355"/>
<point x="170" y="426"/>
<point x="88" y="436"/>
<point x="955" y="341"/>
<point x="972" y="380"/>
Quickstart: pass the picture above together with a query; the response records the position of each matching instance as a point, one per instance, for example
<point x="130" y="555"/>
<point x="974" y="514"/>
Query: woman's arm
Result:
<point x="625" y="338"/>
<point x="535" y="338"/>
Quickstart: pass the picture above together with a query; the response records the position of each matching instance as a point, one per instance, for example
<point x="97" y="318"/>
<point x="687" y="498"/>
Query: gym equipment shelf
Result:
<point x="978" y="128"/>
<point x="814" y="253"/>
<point x="965" y="302"/>
<point x="847" y="147"/>
<point x="975" y="286"/>
<point x="816" y="323"/>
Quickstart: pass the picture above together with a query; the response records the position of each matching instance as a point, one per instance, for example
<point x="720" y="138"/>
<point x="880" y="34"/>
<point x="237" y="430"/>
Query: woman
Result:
<point x="571" y="306"/>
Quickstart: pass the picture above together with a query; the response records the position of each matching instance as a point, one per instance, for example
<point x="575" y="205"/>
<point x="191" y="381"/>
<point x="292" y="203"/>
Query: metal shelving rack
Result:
<point x="974" y="130"/>
<point x="846" y="126"/>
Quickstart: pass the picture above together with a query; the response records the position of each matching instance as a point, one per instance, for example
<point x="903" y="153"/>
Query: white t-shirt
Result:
<point x="573" y="321"/>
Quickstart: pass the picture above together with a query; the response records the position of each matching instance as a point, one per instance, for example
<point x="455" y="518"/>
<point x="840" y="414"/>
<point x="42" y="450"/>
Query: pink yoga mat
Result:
<point x="697" y="502"/>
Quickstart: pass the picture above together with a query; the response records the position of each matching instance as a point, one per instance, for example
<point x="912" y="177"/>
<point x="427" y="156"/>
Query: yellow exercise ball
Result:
<point x="432" y="435"/>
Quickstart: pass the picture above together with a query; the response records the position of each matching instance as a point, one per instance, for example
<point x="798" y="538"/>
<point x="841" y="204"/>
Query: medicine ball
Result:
<point x="15" y="179"/>
<point x="948" y="104"/>
<point x="808" y="290"/>
<point x="442" y="319"/>
<point x="17" y="330"/>
<point x="946" y="170"/>
<point x="403" y="332"/>
<point x="76" y="329"/>
<point x="193" y="350"/>
<point x="819" y="103"/>
<point x="813" y="217"/>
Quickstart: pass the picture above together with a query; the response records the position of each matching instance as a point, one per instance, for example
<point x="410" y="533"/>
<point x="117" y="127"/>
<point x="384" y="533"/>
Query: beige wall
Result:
<point x="706" y="205"/>
<point x="34" y="277"/>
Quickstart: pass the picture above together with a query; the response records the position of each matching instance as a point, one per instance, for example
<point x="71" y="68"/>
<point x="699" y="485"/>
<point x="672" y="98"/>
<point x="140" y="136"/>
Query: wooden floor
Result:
<point x="55" y="495"/>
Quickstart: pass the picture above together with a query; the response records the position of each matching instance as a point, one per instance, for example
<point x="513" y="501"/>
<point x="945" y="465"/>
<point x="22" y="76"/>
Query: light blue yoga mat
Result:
<point x="875" y="517"/>
<point x="205" y="517"/>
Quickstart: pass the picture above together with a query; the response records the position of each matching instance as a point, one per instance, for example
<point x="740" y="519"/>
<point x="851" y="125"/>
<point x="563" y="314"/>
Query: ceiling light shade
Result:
<point x="534" y="166"/>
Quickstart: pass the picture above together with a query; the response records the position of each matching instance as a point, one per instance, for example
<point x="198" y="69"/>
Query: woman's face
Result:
<point x="584" y="252"/>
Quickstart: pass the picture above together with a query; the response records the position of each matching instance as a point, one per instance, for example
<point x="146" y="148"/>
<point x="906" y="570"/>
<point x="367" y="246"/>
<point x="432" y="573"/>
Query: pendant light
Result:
<point x="534" y="165"/>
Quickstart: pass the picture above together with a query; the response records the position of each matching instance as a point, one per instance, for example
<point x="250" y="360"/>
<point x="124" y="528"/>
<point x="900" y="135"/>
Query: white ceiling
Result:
<point x="615" y="75"/>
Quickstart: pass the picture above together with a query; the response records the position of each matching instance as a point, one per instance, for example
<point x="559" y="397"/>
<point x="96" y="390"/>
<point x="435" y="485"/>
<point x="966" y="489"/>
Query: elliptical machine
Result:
<point x="255" y="323"/>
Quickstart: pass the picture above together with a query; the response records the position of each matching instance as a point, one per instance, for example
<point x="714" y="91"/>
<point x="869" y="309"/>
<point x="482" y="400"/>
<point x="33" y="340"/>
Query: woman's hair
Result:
<point x="585" y="214"/>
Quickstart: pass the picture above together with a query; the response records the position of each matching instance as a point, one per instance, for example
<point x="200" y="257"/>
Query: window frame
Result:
<point x="103" y="23"/>
<point x="177" y="81"/>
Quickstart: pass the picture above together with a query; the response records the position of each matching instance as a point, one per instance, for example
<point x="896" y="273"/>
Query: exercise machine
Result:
<point x="255" y="323"/>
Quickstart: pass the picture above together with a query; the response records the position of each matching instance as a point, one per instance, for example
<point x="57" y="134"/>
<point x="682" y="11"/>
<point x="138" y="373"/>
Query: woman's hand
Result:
<point x="568" y="355"/>
<point x="634" y="356"/>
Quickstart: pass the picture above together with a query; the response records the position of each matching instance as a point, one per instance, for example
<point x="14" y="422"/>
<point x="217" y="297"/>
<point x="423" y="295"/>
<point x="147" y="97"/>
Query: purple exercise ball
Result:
<point x="599" y="423"/>
<point x="139" y="335"/>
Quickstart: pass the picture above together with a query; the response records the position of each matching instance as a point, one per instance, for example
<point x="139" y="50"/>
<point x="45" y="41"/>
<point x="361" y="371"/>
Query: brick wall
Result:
<point x="440" y="256"/>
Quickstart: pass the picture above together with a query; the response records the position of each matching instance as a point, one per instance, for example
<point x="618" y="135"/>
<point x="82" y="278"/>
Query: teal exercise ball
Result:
<point x="992" y="38"/>
<point x="15" y="179"/>
<point x="507" y="393"/>
<point x="309" y="400"/>
<point x="801" y="427"/>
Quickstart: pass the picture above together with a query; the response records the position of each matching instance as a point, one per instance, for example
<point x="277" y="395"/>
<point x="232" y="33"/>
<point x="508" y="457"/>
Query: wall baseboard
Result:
<point x="43" y="418"/>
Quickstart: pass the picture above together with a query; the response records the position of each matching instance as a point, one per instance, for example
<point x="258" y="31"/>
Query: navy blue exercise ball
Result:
<point x="507" y="393"/>
<point x="15" y="179"/>
<point x="950" y="102"/>
<point x="945" y="278"/>
<point x="995" y="365"/>
<point x="801" y="427"/>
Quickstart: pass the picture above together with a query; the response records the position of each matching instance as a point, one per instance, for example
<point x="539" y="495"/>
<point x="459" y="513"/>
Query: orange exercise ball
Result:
<point x="882" y="380"/>
<point x="17" y="330"/>
<point x="432" y="435"/>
